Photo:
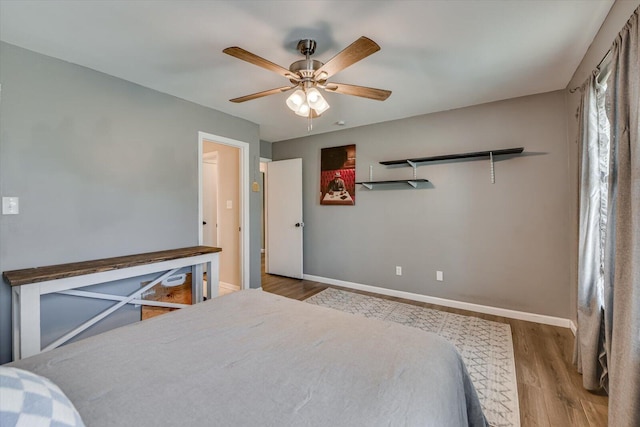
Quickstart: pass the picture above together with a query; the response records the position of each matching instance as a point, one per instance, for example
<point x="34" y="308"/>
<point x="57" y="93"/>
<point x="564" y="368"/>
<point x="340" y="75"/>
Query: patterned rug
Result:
<point x="485" y="346"/>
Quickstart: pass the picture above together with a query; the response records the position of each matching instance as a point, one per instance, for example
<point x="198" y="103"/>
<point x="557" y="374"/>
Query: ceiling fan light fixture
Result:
<point x="313" y="96"/>
<point x="321" y="106"/>
<point x="296" y="100"/>
<point x="303" y="110"/>
<point x="317" y="101"/>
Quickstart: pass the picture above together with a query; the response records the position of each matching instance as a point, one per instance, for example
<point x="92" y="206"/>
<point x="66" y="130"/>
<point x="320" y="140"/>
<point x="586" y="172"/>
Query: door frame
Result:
<point x="264" y="212"/>
<point x="245" y="249"/>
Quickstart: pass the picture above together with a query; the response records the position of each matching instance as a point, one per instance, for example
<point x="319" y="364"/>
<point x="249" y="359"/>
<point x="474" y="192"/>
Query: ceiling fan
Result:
<point x="308" y="75"/>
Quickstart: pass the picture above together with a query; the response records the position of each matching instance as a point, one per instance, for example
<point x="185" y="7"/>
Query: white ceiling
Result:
<point x="435" y="56"/>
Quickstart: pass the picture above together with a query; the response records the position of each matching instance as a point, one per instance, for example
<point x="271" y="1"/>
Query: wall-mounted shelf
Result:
<point x="411" y="182"/>
<point x="415" y="162"/>
<point x="477" y="154"/>
<point x="489" y="153"/>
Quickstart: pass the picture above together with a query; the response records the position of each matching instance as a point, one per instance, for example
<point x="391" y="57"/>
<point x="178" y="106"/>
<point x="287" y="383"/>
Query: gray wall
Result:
<point x="504" y="244"/>
<point x="103" y="167"/>
<point x="618" y="16"/>
<point x="265" y="149"/>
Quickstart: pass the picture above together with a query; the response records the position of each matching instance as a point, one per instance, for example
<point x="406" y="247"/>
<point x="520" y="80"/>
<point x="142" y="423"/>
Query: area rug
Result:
<point x="485" y="346"/>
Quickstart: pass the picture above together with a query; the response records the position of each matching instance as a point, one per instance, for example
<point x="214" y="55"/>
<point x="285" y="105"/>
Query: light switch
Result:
<point x="10" y="206"/>
<point x="229" y="204"/>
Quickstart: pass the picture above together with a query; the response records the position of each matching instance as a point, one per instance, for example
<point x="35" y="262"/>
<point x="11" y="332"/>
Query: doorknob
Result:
<point x="299" y="224"/>
<point x="204" y="222"/>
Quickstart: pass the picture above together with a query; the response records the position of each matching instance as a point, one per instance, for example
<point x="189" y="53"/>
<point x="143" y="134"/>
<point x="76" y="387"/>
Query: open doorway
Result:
<point x="223" y="206"/>
<point x="221" y="210"/>
<point x="210" y="200"/>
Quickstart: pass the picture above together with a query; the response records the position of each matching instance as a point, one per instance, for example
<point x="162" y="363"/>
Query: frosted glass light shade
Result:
<point x="295" y="100"/>
<point x="303" y="110"/>
<point x="301" y="102"/>
<point x="313" y="96"/>
<point x="317" y="101"/>
<point x="321" y="107"/>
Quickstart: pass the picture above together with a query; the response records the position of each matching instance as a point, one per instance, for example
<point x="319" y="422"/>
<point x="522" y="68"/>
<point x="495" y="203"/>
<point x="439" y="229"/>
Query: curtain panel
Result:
<point x="622" y="257"/>
<point x="607" y="350"/>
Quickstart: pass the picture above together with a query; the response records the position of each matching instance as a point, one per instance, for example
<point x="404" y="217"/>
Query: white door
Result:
<point x="284" y="218"/>
<point x="210" y="203"/>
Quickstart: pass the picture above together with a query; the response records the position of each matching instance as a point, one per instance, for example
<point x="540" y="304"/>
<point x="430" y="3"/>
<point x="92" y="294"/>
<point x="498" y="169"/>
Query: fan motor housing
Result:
<point x="307" y="46"/>
<point x="305" y="68"/>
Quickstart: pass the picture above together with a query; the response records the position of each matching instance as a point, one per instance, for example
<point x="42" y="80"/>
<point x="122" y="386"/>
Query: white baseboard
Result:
<point x="573" y="327"/>
<point x="229" y="286"/>
<point x="497" y="311"/>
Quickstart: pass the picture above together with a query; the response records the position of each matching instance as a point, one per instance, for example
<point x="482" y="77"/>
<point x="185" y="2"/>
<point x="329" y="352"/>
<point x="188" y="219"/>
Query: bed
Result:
<point x="256" y="359"/>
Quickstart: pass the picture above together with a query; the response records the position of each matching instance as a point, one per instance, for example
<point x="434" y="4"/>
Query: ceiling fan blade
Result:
<point x="240" y="53"/>
<point x="261" y="94"/>
<point x="353" y="53"/>
<point x="364" y="92"/>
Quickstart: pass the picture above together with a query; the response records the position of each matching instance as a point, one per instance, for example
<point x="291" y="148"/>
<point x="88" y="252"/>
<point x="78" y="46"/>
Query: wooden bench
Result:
<point x="29" y="284"/>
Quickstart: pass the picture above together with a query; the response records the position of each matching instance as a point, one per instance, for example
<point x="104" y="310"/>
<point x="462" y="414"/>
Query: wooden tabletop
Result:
<point x="60" y="271"/>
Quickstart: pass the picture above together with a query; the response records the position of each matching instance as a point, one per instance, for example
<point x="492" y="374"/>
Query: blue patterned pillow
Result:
<point x="27" y="399"/>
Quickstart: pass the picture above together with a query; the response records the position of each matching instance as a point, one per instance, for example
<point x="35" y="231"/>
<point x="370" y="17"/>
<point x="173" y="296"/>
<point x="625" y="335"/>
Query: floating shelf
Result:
<point x="411" y="182"/>
<point x="489" y="153"/>
<point x="415" y="162"/>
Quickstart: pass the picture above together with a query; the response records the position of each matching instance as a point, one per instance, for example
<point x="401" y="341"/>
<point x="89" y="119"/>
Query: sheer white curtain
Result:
<point x="589" y="355"/>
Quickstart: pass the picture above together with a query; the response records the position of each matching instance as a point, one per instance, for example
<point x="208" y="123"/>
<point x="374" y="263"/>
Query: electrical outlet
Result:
<point x="10" y="206"/>
<point x="439" y="276"/>
<point x="398" y="270"/>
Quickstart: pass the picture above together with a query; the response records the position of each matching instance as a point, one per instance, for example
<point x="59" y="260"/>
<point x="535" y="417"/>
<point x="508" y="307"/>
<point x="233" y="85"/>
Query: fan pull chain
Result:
<point x="309" y="122"/>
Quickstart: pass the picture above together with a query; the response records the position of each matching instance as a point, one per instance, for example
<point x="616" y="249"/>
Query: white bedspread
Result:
<point x="256" y="359"/>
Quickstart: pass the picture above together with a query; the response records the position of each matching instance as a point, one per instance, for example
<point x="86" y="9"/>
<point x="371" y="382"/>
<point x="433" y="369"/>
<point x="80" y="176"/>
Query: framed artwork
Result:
<point x="338" y="175"/>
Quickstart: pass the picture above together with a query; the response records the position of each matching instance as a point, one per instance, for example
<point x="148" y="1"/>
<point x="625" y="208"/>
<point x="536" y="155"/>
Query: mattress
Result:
<point x="256" y="359"/>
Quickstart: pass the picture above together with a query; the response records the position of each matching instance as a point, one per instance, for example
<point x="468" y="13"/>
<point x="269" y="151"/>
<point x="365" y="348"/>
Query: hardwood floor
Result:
<point x="549" y="388"/>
